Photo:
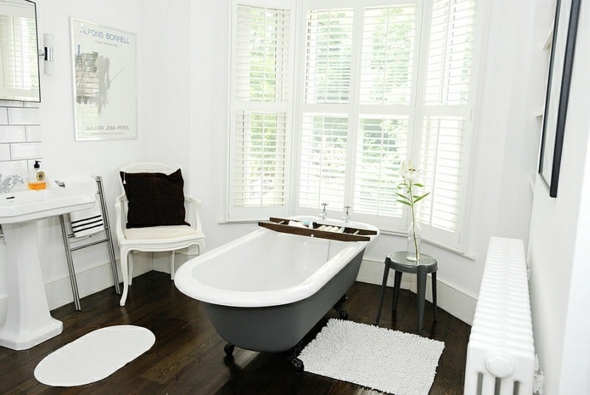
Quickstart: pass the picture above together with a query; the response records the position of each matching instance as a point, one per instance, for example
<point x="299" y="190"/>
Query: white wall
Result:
<point x="63" y="156"/>
<point x="559" y="251"/>
<point x="168" y="75"/>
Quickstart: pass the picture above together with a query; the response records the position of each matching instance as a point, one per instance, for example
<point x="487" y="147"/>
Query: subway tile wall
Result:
<point x="20" y="137"/>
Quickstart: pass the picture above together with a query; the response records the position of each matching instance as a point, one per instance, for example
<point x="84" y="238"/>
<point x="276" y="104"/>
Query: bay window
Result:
<point x="329" y="98"/>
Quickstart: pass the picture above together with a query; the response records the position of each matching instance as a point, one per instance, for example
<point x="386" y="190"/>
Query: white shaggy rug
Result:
<point x="94" y="356"/>
<point x="377" y="358"/>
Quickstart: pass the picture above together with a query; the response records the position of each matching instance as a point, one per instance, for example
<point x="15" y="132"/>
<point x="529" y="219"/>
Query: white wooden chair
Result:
<point x="150" y="184"/>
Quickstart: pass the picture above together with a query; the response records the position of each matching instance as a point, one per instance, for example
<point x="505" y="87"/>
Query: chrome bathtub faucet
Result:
<point x="324" y="214"/>
<point x="346" y="217"/>
<point x="9" y="182"/>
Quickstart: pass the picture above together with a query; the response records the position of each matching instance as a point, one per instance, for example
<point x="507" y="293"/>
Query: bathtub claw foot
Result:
<point x="296" y="363"/>
<point x="338" y="307"/>
<point x="229" y="349"/>
<point x="340" y="302"/>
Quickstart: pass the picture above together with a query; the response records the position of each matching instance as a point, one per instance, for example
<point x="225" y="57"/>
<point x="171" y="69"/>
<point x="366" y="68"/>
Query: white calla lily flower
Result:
<point x="409" y="172"/>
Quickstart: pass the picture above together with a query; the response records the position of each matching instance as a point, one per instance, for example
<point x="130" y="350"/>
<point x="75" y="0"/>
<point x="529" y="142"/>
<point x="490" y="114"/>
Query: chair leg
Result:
<point x="125" y="274"/>
<point x="130" y="272"/>
<point x="172" y="265"/>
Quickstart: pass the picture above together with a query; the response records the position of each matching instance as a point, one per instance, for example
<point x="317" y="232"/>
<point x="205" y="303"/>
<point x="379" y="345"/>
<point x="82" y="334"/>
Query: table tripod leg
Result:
<point x="421" y="296"/>
<point x="383" y="286"/>
<point x="396" y="287"/>
<point x="434" y="294"/>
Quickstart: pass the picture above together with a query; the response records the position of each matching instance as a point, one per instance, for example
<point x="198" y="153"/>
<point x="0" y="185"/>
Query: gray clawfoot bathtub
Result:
<point x="266" y="290"/>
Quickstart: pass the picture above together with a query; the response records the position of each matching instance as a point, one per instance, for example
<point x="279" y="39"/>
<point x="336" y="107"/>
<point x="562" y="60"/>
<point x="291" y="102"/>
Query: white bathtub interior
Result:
<point x="274" y="261"/>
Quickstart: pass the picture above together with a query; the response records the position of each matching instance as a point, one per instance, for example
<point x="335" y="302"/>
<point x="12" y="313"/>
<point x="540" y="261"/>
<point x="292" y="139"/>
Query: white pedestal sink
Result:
<point x="28" y="321"/>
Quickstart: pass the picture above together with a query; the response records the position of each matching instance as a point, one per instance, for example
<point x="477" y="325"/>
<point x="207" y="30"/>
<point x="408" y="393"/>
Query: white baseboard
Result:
<point x="96" y="278"/>
<point x="99" y="277"/>
<point x="3" y="306"/>
<point x="90" y="280"/>
<point x="453" y="301"/>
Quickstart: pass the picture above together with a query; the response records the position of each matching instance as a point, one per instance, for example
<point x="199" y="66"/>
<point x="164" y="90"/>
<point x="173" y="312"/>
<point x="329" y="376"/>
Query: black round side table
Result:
<point x="398" y="262"/>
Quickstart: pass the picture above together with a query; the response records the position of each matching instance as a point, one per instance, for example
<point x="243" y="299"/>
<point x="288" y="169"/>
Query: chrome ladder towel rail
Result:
<point x="107" y="239"/>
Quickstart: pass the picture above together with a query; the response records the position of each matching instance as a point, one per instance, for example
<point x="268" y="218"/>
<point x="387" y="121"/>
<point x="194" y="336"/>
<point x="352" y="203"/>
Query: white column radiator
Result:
<point x="500" y="352"/>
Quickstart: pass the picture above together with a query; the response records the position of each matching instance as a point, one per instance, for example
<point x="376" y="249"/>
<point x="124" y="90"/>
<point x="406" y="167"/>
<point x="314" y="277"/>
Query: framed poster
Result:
<point x="558" y="86"/>
<point x="104" y="70"/>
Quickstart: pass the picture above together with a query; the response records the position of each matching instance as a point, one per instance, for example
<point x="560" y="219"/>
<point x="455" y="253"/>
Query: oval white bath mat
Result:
<point x="94" y="356"/>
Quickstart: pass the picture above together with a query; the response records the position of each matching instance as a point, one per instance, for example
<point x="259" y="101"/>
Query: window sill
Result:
<point x="433" y="243"/>
<point x="394" y="233"/>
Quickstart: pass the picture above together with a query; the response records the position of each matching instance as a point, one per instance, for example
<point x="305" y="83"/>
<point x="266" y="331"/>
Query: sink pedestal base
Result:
<point x="28" y="321"/>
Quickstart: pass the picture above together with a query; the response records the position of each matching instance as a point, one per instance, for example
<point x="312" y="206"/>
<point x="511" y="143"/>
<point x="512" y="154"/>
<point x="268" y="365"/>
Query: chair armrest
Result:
<point x="193" y="212"/>
<point x="119" y="214"/>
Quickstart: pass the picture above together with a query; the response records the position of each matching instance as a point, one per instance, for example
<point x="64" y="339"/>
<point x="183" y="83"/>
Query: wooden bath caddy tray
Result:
<point x="349" y="234"/>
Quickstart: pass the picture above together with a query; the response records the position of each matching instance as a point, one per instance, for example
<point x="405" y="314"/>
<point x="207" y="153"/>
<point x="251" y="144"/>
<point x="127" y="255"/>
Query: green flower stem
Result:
<point x="410" y="200"/>
<point x="411" y="195"/>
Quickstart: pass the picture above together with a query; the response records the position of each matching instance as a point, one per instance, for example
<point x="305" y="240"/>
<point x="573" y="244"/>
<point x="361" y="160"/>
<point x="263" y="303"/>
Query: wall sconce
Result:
<point x="48" y="53"/>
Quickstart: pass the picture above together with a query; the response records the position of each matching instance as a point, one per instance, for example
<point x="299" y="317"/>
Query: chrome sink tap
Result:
<point x="9" y="182"/>
<point x="346" y="217"/>
<point x="324" y="214"/>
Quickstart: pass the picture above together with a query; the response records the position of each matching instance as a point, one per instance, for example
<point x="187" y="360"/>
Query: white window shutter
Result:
<point x="382" y="144"/>
<point x="450" y="52"/>
<point x="386" y="94"/>
<point x="446" y="119"/>
<point x="259" y="160"/>
<point x="324" y="124"/>
<point x="322" y="169"/>
<point x="328" y="55"/>
<point x="388" y="46"/>
<point x="261" y="92"/>
<point x="262" y="61"/>
<point x="440" y="161"/>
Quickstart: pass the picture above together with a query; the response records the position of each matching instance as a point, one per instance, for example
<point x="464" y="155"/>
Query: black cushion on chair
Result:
<point x="155" y="199"/>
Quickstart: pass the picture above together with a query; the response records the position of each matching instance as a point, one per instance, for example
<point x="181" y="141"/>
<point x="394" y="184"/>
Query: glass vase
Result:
<point x="414" y="240"/>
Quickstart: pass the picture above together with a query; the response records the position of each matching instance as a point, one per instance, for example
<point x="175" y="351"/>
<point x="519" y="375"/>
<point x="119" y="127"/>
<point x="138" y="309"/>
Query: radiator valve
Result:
<point x="538" y="378"/>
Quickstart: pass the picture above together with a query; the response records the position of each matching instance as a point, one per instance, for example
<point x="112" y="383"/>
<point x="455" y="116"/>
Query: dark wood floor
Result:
<point x="188" y="356"/>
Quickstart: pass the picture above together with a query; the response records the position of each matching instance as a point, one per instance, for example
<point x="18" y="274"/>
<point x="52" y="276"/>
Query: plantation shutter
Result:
<point x="261" y="92"/>
<point x="328" y="56"/>
<point x="324" y="154"/>
<point x="389" y="41"/>
<point x="324" y="139"/>
<point x="446" y="118"/>
<point x="386" y="94"/>
<point x="354" y="139"/>
<point x="382" y="147"/>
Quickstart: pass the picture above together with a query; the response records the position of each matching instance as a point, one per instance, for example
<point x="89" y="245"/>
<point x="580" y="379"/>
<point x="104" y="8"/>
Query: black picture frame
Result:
<point x="558" y="86"/>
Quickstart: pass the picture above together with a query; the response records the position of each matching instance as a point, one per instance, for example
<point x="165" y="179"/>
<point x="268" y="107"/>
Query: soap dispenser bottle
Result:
<point x="37" y="177"/>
